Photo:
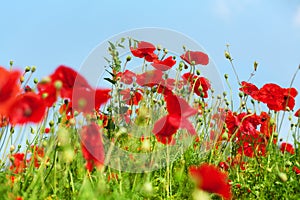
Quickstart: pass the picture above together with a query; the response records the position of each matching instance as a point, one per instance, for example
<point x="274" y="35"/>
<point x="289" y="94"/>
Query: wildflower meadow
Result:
<point x="156" y="131"/>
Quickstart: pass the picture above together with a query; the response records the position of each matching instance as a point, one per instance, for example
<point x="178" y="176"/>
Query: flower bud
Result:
<point x="255" y="65"/>
<point x="22" y="79"/>
<point x="227" y="55"/>
<point x="35" y="80"/>
<point x="12" y="148"/>
<point x="27" y="69"/>
<point x="283" y="177"/>
<point x="58" y="84"/>
<point x="51" y="123"/>
<point x="33" y="69"/>
<point x="158" y="47"/>
<point x="11" y="63"/>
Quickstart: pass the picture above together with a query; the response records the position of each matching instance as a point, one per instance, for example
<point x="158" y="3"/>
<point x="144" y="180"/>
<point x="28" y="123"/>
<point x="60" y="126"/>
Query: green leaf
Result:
<point x="110" y="73"/>
<point x="111" y="45"/>
<point x="110" y="80"/>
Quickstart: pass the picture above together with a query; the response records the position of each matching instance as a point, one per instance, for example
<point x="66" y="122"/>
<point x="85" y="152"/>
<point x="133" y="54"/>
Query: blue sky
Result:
<point x="50" y="33"/>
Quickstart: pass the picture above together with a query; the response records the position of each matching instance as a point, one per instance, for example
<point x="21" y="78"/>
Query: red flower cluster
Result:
<point x="287" y="147"/>
<point x="276" y="97"/>
<point x="199" y="85"/>
<point x="19" y="162"/>
<point x="146" y="50"/>
<point x="296" y="170"/>
<point x="210" y="179"/>
<point x="243" y="130"/>
<point x="16" y="106"/>
<point x="92" y="146"/>
<point x="67" y="83"/>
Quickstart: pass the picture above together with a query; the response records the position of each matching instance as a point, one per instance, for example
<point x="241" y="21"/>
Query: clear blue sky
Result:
<point x="50" y="33"/>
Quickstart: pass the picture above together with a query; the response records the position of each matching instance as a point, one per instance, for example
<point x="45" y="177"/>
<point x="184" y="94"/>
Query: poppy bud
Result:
<point x="158" y="47"/>
<point x="128" y="58"/>
<point x="51" y="123"/>
<point x="44" y="143"/>
<point x="165" y="50"/>
<point x="11" y="63"/>
<point x="58" y="84"/>
<point x="198" y="72"/>
<point x="241" y="94"/>
<point x="22" y="79"/>
<point x="35" y="80"/>
<point x="272" y="121"/>
<point x="27" y="69"/>
<point x="255" y="65"/>
<point x="227" y="55"/>
<point x="200" y="88"/>
<point x="33" y="69"/>
<point x="12" y="148"/>
<point x="181" y="65"/>
<point x="148" y="188"/>
<point x="32" y="130"/>
<point x="45" y="95"/>
<point x="283" y="177"/>
<point x="226" y="76"/>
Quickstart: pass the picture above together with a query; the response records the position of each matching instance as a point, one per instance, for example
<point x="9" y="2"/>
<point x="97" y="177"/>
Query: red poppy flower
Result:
<point x="224" y="166"/>
<point x="296" y="170"/>
<point x="18" y="163"/>
<point x="9" y="88"/>
<point x="87" y="100"/>
<point x="210" y="179"/>
<point x="198" y="84"/>
<point x="149" y="78"/>
<point x="27" y="107"/>
<point x="266" y="127"/>
<point x="277" y="98"/>
<point x="297" y="113"/>
<point x="144" y="50"/>
<point x="165" y="64"/>
<point x="178" y="112"/>
<point x="38" y="154"/>
<point x="195" y="57"/>
<point x="252" y="145"/>
<point x="70" y="79"/>
<point x="287" y="147"/>
<point x="66" y="109"/>
<point x="126" y="77"/>
<point x="92" y="146"/>
<point x="249" y="89"/>
<point x="131" y="97"/>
